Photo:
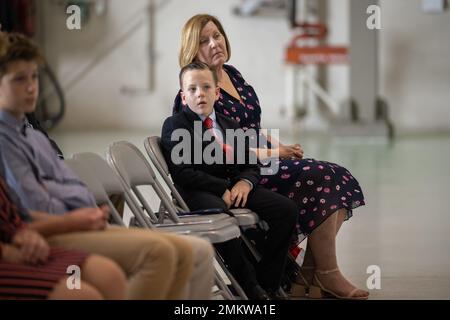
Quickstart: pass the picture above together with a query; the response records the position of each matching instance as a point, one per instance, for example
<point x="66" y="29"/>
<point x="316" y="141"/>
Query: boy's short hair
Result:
<point x="14" y="47"/>
<point x="196" y="65"/>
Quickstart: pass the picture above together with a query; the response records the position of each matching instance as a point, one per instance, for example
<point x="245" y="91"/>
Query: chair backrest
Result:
<point x="134" y="169"/>
<point x="153" y="146"/>
<point x="154" y="150"/>
<point x="111" y="183"/>
<point x="102" y="171"/>
<point x="87" y="174"/>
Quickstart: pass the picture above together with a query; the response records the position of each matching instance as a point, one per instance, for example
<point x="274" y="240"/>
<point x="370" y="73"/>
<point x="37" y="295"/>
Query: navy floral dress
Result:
<point x="318" y="187"/>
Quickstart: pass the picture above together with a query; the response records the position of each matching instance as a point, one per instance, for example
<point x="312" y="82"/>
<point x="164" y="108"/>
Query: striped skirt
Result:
<point x="37" y="282"/>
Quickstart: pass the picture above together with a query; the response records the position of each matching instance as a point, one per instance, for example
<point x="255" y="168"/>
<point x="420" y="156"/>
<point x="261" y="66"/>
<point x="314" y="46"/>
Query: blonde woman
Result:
<point x="325" y="192"/>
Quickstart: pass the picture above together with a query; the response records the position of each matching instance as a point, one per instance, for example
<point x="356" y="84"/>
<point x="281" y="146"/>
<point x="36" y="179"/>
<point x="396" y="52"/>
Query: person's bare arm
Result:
<point x="86" y="219"/>
<point x="49" y="225"/>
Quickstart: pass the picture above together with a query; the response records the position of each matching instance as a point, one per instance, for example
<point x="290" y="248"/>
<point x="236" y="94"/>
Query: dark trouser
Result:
<point x="279" y="212"/>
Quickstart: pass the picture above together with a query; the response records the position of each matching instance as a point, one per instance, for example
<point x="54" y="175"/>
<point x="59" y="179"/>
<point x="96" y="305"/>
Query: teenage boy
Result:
<point x="159" y="265"/>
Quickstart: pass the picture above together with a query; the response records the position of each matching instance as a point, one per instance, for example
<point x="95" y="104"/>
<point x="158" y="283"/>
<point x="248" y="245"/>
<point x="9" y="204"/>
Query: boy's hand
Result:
<point x="239" y="193"/>
<point x="226" y="197"/>
<point x="11" y="254"/>
<point x="32" y="246"/>
<point x="88" y="219"/>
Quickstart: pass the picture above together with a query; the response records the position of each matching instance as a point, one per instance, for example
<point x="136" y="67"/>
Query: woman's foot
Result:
<point x="334" y="283"/>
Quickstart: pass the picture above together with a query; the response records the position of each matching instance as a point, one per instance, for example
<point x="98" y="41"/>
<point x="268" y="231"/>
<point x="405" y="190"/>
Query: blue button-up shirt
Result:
<point x="42" y="181"/>
<point x="23" y="212"/>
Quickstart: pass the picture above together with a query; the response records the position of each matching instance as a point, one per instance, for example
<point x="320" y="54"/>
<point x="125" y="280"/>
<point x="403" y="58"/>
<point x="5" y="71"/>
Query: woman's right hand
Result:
<point x="290" y="152"/>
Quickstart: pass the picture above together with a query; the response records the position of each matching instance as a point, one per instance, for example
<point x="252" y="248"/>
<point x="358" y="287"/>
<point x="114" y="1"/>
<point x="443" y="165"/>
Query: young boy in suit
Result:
<point x="224" y="183"/>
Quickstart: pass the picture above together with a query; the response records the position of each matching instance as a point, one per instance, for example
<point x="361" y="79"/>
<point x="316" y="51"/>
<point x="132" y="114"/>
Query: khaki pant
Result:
<point x="159" y="265"/>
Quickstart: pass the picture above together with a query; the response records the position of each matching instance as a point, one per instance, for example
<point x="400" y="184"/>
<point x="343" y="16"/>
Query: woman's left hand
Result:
<point x="33" y="247"/>
<point x="294" y="151"/>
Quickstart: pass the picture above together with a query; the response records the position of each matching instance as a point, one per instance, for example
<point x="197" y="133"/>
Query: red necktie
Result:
<point x="209" y="124"/>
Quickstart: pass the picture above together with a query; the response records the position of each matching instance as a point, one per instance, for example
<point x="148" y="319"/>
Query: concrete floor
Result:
<point x="404" y="229"/>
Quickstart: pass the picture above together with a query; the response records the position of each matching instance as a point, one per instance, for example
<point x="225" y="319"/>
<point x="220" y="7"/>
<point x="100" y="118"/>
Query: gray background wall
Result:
<point x="414" y="67"/>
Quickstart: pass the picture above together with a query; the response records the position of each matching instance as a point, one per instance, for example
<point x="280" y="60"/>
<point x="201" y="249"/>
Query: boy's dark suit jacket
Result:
<point x="214" y="178"/>
<point x="202" y="186"/>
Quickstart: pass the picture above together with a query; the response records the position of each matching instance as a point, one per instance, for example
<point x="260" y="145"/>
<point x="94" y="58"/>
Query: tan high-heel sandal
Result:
<point x="304" y="289"/>
<point x="325" y="291"/>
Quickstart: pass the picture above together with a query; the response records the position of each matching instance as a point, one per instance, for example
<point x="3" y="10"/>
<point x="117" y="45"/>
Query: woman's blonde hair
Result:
<point x="190" y="37"/>
<point x="15" y="46"/>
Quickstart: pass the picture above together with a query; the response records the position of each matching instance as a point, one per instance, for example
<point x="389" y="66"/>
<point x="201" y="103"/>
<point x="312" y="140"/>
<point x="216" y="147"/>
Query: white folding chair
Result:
<point x="218" y="232"/>
<point x="245" y="216"/>
<point x="134" y="169"/>
<point x="95" y="187"/>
